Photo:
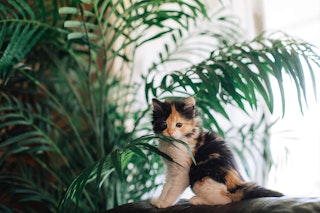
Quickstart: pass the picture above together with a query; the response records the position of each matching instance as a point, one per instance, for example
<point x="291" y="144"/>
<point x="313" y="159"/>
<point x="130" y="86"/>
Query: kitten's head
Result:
<point x="177" y="119"/>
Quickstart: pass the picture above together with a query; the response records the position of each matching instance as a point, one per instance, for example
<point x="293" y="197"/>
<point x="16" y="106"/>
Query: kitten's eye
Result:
<point x="164" y="124"/>
<point x="179" y="125"/>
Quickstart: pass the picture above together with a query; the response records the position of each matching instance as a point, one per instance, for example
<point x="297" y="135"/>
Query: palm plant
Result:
<point x="74" y="131"/>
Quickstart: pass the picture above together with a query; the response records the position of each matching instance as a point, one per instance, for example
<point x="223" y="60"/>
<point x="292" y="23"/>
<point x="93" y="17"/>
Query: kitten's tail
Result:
<point x="251" y="190"/>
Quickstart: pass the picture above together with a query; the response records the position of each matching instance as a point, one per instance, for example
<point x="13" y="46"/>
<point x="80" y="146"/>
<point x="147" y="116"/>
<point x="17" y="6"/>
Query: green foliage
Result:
<point x="241" y="73"/>
<point x="75" y="135"/>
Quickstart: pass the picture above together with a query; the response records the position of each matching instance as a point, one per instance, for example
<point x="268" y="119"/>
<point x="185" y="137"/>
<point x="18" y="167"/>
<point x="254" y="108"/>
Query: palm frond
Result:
<point x="20" y="31"/>
<point x="23" y="192"/>
<point x="22" y="36"/>
<point x="116" y="165"/>
<point x="32" y="141"/>
<point x="116" y="161"/>
<point x="120" y="25"/>
<point x="194" y="44"/>
<point x="238" y="74"/>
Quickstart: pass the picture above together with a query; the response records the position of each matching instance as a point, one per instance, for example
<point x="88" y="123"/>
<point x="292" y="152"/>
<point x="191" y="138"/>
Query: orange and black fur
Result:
<point x="214" y="178"/>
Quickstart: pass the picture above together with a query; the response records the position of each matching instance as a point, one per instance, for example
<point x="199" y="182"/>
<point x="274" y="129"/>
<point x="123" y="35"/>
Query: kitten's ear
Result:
<point x="190" y="102"/>
<point x="157" y="105"/>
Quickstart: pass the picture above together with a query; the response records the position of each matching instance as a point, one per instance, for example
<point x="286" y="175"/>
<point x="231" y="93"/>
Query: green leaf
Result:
<point x="156" y="151"/>
<point x="116" y="161"/>
<point x="138" y="152"/>
<point x="74" y="11"/>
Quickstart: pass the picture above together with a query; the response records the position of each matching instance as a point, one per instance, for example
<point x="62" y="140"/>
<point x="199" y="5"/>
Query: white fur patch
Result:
<point x="209" y="192"/>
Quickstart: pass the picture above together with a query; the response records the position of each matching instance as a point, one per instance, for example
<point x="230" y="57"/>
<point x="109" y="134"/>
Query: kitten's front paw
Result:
<point x="154" y="202"/>
<point x="159" y="203"/>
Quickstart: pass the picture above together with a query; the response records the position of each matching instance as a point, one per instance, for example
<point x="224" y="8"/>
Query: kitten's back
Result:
<point x="214" y="159"/>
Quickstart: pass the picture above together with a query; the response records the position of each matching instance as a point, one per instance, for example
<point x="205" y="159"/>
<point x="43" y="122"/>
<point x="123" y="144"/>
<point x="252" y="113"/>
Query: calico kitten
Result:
<point x="214" y="178"/>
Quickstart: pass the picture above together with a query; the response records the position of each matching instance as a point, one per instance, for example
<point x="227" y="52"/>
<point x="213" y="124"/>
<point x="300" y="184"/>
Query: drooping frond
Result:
<point x="237" y="74"/>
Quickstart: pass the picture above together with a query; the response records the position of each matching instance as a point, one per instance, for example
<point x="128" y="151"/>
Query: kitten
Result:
<point x="214" y="178"/>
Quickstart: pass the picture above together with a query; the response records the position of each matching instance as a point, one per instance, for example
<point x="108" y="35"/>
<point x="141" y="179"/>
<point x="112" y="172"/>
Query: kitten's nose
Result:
<point x="170" y="132"/>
